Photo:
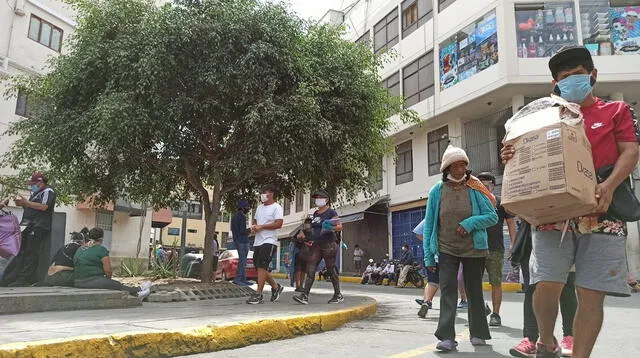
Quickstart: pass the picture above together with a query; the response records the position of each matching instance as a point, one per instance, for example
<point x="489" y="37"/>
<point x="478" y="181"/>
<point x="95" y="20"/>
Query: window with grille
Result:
<point x="299" y="201"/>
<point x="404" y="162"/>
<point x="386" y="32"/>
<point x="104" y="220"/>
<point x="22" y="106"/>
<point x="286" y="206"/>
<point x="415" y="13"/>
<point x="437" y="143"/>
<point x="392" y="84"/>
<point x="418" y="80"/>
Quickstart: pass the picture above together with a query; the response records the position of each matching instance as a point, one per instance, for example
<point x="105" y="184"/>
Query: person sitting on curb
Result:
<point x="60" y="272"/>
<point x="376" y="274"/>
<point x="366" y="276"/>
<point x="389" y="273"/>
<point x="93" y="268"/>
<point x="406" y="262"/>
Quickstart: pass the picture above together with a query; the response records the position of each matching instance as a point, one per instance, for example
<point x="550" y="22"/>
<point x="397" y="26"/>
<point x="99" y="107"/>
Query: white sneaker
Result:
<point x="144" y="293"/>
<point x="146" y="285"/>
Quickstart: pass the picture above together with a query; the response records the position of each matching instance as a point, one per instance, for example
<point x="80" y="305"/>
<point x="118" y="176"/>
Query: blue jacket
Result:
<point x="483" y="215"/>
<point x="239" y="228"/>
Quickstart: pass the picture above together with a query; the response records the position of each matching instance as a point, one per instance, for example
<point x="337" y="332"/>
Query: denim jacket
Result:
<point x="483" y="215"/>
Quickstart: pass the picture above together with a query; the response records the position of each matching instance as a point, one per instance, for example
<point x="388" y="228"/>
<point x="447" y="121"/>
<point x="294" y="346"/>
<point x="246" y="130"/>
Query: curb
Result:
<point x="188" y="341"/>
<point x="506" y="286"/>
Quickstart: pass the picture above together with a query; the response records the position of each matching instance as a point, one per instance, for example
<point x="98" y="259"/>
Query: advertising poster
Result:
<point x="470" y="51"/>
<point x="448" y="66"/>
<point x="625" y="30"/>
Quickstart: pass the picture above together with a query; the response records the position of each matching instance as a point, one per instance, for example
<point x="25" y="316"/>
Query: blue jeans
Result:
<point x="243" y="251"/>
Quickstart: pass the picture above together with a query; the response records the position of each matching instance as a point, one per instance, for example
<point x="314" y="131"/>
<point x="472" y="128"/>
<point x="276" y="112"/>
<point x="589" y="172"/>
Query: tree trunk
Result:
<point x="211" y="218"/>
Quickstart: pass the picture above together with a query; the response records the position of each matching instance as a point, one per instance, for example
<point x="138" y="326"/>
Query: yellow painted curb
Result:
<point x="187" y="341"/>
<point x="506" y="286"/>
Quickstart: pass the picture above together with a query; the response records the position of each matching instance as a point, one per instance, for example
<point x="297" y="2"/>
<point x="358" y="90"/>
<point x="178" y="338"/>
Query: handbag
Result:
<point x="624" y="205"/>
<point x="522" y="246"/>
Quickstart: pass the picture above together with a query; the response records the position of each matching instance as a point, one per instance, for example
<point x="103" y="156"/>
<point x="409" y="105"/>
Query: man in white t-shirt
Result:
<point x="268" y="219"/>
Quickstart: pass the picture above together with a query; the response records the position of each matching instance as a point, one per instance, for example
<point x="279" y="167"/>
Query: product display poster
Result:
<point x="486" y="28"/>
<point x="449" y="66"/>
<point x="625" y="29"/>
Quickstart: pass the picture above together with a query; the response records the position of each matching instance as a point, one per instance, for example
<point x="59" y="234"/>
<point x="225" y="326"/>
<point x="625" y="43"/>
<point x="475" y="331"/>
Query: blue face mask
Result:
<point x="575" y="88"/>
<point x="34" y="188"/>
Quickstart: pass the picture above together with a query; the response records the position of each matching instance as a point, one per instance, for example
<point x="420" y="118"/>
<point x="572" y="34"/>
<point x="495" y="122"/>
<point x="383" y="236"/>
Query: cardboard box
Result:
<point x="551" y="177"/>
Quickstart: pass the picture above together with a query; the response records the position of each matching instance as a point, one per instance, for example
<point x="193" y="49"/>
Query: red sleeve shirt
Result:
<point x="606" y="124"/>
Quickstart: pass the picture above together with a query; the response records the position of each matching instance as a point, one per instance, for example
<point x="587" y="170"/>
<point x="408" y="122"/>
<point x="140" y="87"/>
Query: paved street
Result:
<point x="397" y="332"/>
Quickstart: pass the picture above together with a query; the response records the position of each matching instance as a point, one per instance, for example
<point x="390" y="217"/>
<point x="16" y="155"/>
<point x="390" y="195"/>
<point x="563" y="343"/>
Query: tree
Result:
<point x="207" y="99"/>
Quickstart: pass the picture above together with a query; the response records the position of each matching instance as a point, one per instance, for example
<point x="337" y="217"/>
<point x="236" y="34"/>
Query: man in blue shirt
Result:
<point x="241" y="240"/>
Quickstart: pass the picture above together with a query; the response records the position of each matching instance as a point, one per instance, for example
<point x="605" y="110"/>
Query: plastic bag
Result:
<point x="569" y="114"/>
<point x="9" y="235"/>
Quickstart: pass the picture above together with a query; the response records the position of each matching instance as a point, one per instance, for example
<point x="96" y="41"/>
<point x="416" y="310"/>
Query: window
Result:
<point x="543" y="28"/>
<point x="192" y="231"/>
<point x="286" y="206"/>
<point x="392" y="84"/>
<point x="173" y="231"/>
<point x="225" y="238"/>
<point x="609" y="27"/>
<point x="21" y="104"/>
<point x="443" y="4"/>
<point x="404" y="163"/>
<point x="415" y="13"/>
<point x="365" y="39"/>
<point x="418" y="80"/>
<point x="438" y="141"/>
<point x="104" y="220"/>
<point x="469" y="51"/>
<point x="376" y="177"/>
<point x="312" y="203"/>
<point x="45" y="33"/>
<point x="299" y="201"/>
<point x="386" y="32"/>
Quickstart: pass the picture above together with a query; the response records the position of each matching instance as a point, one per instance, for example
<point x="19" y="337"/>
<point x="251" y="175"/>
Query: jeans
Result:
<point x="473" y="269"/>
<point x="243" y="252"/>
<point x="568" y="304"/>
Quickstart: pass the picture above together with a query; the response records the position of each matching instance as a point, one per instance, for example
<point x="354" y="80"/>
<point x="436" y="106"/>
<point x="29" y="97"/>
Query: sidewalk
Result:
<point x="169" y="329"/>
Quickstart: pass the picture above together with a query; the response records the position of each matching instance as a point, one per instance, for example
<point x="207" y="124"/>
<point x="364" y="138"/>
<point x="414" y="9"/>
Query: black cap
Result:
<point x="321" y="194"/>
<point x="568" y="54"/>
<point x="76" y="236"/>
<point x="487" y="176"/>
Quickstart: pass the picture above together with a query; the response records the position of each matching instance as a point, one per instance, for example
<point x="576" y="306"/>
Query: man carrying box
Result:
<point x="595" y="244"/>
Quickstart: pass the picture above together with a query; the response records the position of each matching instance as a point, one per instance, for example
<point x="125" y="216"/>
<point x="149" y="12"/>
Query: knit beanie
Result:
<point x="452" y="155"/>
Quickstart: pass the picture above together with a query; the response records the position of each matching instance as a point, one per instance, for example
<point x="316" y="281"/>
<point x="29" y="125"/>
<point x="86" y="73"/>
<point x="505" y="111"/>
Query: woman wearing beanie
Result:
<point x="459" y="209"/>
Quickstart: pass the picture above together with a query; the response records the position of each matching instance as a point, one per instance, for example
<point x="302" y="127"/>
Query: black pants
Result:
<point x="568" y="304"/>
<point x="23" y="269"/>
<point x="327" y="250"/>
<point x="473" y="268"/>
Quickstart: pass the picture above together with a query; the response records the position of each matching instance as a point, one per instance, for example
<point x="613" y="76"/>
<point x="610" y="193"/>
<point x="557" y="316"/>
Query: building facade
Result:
<point x="465" y="66"/>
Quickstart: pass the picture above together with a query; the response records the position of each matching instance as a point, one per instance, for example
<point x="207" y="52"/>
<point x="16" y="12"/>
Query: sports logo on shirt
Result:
<point x="596" y="125"/>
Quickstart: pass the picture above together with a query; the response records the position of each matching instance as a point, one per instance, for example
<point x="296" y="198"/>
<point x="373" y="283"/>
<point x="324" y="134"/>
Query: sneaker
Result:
<point x="419" y="302"/>
<point x="463" y="305"/>
<point x="255" y="299"/>
<point x="299" y="289"/>
<point x="487" y="309"/>
<point x="475" y="341"/>
<point x="525" y="349"/>
<point x="424" y="308"/>
<point x="275" y="294"/>
<point x="146" y="285"/>
<point x="495" y="320"/>
<point x="634" y="287"/>
<point x="336" y="298"/>
<point x="302" y="299"/>
<point x="144" y="293"/>
<point x="447" y="345"/>
<point x="567" y="346"/>
<point x="545" y="351"/>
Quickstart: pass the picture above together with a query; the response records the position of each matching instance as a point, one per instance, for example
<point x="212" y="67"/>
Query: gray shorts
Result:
<point x="601" y="260"/>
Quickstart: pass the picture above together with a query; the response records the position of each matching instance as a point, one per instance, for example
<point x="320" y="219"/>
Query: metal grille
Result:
<point x="483" y="138"/>
<point x="104" y="220"/>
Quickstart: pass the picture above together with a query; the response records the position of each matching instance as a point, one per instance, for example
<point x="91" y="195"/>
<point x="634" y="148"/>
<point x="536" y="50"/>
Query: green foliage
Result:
<point x="166" y="269"/>
<point x="131" y="267"/>
<point x="158" y="104"/>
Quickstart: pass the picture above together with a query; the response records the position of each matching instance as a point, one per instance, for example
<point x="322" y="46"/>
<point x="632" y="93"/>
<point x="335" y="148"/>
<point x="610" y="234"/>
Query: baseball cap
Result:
<point x="37" y="177"/>
<point x="321" y="194"/>
<point x="568" y="54"/>
<point x="486" y="176"/>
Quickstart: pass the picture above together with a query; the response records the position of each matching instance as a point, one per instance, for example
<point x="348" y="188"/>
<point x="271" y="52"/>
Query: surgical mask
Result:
<point x="321" y="202"/>
<point x="34" y="188"/>
<point x="575" y="88"/>
<point x="451" y="178"/>
<point x="264" y="197"/>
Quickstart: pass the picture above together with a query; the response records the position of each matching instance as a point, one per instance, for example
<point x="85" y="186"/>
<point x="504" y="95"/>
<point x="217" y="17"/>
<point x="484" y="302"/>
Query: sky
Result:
<point x="316" y="8"/>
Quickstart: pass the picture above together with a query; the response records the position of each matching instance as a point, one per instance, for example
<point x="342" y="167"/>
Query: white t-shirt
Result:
<point x="267" y="214"/>
<point x="357" y="254"/>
